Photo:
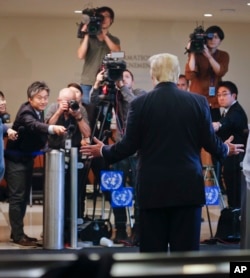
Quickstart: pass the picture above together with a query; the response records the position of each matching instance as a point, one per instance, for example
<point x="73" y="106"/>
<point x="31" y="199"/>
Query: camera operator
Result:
<point x="123" y="95"/>
<point x="206" y="68"/>
<point x="68" y="113"/>
<point x="93" y="48"/>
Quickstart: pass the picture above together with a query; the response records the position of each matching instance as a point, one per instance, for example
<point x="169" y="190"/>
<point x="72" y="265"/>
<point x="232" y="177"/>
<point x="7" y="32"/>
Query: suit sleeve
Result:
<point x="131" y="140"/>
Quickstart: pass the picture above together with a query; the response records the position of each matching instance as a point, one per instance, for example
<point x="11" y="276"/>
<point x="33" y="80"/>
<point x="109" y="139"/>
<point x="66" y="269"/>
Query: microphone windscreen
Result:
<point x="85" y="19"/>
<point x="21" y="129"/>
<point x="71" y="128"/>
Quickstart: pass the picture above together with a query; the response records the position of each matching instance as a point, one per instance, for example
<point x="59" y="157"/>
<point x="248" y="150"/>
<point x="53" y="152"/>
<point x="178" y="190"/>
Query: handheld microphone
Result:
<point x="20" y="130"/>
<point x="71" y="129"/>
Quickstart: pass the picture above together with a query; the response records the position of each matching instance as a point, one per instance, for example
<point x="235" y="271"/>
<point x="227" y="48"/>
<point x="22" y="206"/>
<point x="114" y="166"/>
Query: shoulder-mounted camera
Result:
<point x="93" y="19"/>
<point x="198" y="39"/>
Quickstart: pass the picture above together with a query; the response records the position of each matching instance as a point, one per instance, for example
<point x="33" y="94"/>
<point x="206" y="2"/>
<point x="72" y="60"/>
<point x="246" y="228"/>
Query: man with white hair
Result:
<point x="168" y="127"/>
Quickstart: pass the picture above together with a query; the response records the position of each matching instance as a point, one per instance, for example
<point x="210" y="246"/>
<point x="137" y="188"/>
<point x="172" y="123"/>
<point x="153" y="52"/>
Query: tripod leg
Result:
<point x="209" y="222"/>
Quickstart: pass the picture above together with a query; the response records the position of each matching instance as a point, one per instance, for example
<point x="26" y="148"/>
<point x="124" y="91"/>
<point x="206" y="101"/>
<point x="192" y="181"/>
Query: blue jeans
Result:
<point x="86" y="90"/>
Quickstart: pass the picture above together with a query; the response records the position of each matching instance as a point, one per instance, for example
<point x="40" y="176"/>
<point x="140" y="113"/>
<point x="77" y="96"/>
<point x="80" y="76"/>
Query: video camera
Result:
<point x="198" y="39"/>
<point x="93" y="19"/>
<point x="114" y="66"/>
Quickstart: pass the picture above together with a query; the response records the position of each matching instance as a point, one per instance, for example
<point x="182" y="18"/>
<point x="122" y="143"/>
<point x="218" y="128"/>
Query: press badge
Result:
<point x="211" y="91"/>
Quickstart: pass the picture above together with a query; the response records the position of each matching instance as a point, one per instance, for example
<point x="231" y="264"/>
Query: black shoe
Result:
<point x="24" y="241"/>
<point x="135" y="240"/>
<point x="120" y="236"/>
<point x="27" y="237"/>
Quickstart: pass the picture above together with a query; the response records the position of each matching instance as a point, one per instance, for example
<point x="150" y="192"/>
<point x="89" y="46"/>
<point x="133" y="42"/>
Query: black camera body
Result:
<point x="73" y="105"/>
<point x="198" y="39"/>
<point x="94" y="21"/>
<point x="5" y="118"/>
<point x="113" y="66"/>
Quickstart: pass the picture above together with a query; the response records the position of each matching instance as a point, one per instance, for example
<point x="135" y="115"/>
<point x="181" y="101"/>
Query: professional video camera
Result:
<point x="198" y="39"/>
<point x="93" y="19"/>
<point x="114" y="66"/>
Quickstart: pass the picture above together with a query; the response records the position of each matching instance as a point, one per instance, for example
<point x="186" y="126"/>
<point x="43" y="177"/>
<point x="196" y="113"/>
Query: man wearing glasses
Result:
<point x="234" y="122"/>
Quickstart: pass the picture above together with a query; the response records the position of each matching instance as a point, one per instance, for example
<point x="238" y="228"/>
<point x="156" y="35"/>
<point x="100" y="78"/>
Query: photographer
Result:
<point x="93" y="48"/>
<point x="205" y="68"/>
<point x="73" y="117"/>
<point x="120" y="97"/>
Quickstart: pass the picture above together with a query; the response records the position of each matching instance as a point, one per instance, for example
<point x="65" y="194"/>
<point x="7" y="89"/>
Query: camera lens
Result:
<point x="73" y="104"/>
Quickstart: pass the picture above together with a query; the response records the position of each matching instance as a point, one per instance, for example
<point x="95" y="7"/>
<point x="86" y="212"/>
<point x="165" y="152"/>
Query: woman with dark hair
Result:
<point x="206" y="69"/>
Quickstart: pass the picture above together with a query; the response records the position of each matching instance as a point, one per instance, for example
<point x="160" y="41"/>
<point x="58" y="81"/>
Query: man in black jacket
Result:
<point x="168" y="127"/>
<point x="20" y="154"/>
<point x="232" y="122"/>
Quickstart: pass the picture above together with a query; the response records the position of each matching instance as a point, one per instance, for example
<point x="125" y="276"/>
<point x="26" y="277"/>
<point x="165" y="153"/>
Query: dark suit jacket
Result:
<point x="168" y="127"/>
<point x="32" y="131"/>
<point x="234" y="123"/>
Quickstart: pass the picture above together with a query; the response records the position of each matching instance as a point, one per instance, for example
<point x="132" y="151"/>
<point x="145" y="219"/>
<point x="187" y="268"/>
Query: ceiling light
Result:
<point x="208" y="15"/>
<point x="77" y="12"/>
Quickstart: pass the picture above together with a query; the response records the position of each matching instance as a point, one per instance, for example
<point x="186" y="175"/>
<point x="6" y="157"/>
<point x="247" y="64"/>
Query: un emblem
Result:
<point x="122" y="197"/>
<point x="111" y="180"/>
<point x="212" y="195"/>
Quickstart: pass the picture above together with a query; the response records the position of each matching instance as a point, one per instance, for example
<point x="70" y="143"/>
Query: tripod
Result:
<point x="101" y="130"/>
<point x="209" y="174"/>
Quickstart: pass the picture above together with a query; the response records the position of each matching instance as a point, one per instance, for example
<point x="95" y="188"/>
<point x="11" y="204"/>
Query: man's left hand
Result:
<point x="92" y="150"/>
<point x="234" y="149"/>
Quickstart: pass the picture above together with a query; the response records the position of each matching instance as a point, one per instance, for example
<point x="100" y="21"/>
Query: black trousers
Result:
<point x="231" y="172"/>
<point x="19" y="179"/>
<point x="170" y="228"/>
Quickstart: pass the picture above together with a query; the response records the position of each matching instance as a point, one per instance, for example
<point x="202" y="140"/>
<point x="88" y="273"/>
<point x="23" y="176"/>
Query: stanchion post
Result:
<point x="73" y="195"/>
<point x="53" y="234"/>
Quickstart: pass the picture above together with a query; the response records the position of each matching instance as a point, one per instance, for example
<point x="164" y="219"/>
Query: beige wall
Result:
<point x="45" y="49"/>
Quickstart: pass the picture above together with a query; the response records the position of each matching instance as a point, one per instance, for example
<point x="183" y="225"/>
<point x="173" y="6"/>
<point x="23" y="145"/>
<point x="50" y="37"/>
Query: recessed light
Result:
<point x="208" y="15"/>
<point x="77" y="12"/>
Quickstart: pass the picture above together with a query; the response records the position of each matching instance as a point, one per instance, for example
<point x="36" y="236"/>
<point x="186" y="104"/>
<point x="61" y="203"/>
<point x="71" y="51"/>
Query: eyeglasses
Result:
<point x="40" y="98"/>
<point x="223" y="95"/>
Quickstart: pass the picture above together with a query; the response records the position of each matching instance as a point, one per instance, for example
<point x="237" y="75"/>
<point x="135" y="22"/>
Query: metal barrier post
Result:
<point x="73" y="195"/>
<point x="54" y="200"/>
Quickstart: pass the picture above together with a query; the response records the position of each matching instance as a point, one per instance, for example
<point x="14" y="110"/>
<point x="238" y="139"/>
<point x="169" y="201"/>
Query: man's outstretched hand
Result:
<point x="234" y="149"/>
<point x="92" y="151"/>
